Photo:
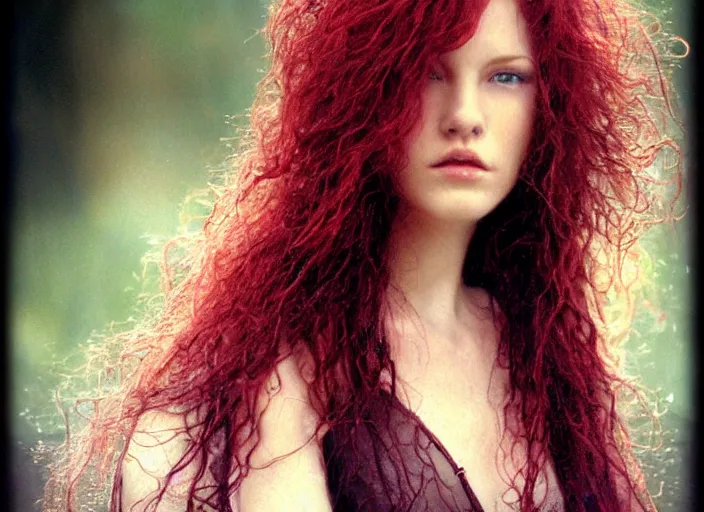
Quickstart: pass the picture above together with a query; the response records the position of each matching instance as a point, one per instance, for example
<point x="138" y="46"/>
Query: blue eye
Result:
<point x="508" y="78"/>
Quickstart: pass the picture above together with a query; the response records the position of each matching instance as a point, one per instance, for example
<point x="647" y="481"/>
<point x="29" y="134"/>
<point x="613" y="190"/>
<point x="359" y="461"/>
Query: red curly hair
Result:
<point x="295" y="248"/>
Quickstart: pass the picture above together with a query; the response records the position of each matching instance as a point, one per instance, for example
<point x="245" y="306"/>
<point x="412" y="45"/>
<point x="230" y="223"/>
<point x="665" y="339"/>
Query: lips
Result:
<point x="461" y="157"/>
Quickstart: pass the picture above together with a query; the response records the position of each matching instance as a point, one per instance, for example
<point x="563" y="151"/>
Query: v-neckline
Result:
<point x="458" y="470"/>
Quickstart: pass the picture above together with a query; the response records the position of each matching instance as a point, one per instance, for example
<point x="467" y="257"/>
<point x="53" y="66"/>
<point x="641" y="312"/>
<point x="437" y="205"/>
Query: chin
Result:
<point x="453" y="205"/>
<point x="467" y="212"/>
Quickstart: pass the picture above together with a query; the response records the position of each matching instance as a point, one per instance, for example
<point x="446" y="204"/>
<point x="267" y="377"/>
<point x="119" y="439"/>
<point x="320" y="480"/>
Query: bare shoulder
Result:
<point x="286" y="400"/>
<point x="287" y="470"/>
<point x="286" y="463"/>
<point x="157" y="446"/>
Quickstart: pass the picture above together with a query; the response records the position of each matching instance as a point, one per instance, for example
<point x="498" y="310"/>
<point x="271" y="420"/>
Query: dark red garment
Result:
<point x="393" y="462"/>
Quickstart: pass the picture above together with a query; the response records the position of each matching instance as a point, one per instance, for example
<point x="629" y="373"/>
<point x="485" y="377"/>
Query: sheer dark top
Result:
<point x="391" y="461"/>
<point x="395" y="464"/>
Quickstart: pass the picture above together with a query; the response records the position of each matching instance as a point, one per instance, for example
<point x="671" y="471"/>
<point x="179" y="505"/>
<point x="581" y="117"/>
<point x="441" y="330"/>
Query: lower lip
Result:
<point x="461" y="172"/>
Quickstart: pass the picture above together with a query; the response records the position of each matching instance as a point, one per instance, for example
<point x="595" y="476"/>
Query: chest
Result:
<point x="459" y="399"/>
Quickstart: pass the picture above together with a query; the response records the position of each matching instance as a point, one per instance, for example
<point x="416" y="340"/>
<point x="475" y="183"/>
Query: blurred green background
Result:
<point x="120" y="110"/>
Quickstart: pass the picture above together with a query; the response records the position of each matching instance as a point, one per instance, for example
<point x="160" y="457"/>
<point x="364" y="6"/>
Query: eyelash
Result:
<point x="521" y="78"/>
<point x="434" y="75"/>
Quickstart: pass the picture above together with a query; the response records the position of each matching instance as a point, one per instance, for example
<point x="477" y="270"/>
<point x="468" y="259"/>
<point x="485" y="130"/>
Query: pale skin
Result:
<point x="478" y="97"/>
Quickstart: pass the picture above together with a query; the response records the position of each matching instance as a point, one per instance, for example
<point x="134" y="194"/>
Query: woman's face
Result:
<point x="479" y="103"/>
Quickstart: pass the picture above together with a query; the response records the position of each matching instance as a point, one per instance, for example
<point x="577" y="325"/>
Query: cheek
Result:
<point x="415" y="139"/>
<point x="516" y="132"/>
<point x="419" y="141"/>
<point x="431" y="106"/>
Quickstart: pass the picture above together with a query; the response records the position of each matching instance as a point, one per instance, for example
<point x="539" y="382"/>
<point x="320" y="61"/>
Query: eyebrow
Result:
<point x="502" y="59"/>
<point x="508" y="58"/>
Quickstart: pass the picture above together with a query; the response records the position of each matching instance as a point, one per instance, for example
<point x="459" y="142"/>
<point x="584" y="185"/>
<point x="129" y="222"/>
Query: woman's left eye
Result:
<point x="508" y="78"/>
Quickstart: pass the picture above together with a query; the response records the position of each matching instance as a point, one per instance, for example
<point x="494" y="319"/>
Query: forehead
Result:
<point x="501" y="30"/>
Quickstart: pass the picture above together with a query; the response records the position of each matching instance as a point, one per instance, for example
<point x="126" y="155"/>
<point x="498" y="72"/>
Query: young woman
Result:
<point x="397" y="302"/>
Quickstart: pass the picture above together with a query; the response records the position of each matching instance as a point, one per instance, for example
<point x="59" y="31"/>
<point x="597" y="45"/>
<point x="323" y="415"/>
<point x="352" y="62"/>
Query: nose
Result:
<point x="464" y="117"/>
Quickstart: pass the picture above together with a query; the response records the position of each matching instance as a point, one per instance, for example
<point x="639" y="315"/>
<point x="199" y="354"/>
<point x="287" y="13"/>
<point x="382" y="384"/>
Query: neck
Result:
<point x="426" y="260"/>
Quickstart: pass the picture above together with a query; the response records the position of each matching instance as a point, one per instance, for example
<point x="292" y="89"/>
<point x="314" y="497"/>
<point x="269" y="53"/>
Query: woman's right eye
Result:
<point x="434" y="75"/>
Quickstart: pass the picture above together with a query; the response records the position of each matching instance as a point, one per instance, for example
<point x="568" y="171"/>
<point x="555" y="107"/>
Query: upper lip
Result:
<point x="461" y="156"/>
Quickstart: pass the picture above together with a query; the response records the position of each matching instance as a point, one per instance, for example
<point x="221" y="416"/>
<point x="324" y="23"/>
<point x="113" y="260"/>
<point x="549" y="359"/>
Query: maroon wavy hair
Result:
<point x="295" y="248"/>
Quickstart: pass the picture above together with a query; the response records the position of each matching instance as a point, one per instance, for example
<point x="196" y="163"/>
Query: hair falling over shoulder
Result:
<point x="293" y="252"/>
